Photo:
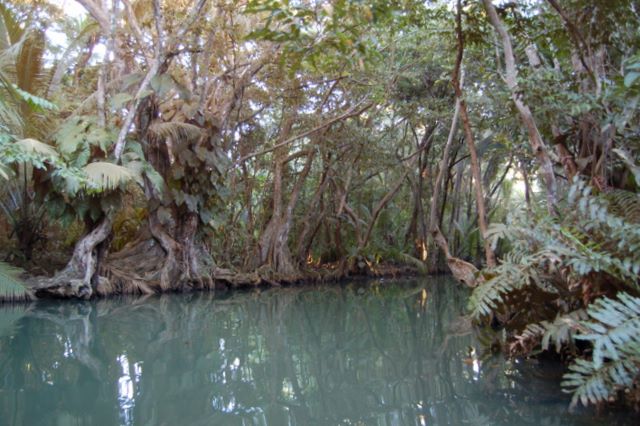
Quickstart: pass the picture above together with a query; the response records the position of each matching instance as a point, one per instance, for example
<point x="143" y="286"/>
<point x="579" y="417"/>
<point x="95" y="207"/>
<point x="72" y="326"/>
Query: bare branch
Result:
<point x="97" y="13"/>
<point x="352" y="112"/>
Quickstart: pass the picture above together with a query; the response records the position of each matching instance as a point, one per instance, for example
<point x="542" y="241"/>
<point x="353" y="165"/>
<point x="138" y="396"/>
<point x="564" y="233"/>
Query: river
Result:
<point x="384" y="352"/>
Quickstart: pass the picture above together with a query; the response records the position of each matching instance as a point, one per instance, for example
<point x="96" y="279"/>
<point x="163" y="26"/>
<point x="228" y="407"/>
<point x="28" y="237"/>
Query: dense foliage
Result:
<point x="165" y="146"/>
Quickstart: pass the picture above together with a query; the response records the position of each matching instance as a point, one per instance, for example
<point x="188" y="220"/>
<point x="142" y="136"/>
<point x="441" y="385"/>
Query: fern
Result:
<point x="625" y="204"/>
<point x="617" y="322"/>
<point x="614" y="332"/>
<point x="591" y="249"/>
<point x="11" y="286"/>
<point x="559" y="332"/>
<point x="590" y="239"/>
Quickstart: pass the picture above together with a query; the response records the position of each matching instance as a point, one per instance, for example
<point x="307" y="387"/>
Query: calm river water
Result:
<point x="370" y="353"/>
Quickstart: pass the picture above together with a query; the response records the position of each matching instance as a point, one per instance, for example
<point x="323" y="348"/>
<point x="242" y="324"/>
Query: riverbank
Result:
<point x="51" y="286"/>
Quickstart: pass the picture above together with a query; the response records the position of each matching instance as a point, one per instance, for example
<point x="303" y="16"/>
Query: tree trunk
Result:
<point x="535" y="139"/>
<point x="75" y="280"/>
<point x="475" y="161"/>
<point x="435" y="198"/>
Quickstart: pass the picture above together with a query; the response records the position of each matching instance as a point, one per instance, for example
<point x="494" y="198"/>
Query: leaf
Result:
<point x="628" y="161"/>
<point x="630" y="78"/>
<point x="35" y="102"/>
<point x="162" y="84"/>
<point x="105" y="176"/>
<point x="71" y="135"/>
<point x="34" y="146"/>
<point x="119" y="99"/>
<point x="4" y="172"/>
<point x="177" y="131"/>
<point x="12" y="288"/>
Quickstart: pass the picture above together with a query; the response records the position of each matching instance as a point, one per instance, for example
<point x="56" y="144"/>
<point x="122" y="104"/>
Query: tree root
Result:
<point x="75" y="280"/>
<point x="144" y="267"/>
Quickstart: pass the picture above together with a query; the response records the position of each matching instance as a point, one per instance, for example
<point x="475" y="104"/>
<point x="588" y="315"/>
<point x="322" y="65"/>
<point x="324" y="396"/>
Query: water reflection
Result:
<point x="364" y="354"/>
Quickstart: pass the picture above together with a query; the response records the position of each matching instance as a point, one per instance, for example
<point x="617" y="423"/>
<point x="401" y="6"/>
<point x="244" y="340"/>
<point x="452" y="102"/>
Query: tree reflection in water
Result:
<point x="367" y="353"/>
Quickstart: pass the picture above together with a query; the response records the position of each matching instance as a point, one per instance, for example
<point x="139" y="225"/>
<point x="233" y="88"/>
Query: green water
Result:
<point x="374" y="353"/>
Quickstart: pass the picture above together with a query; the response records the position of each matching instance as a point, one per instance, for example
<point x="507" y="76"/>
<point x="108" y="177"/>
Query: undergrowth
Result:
<point x="571" y="282"/>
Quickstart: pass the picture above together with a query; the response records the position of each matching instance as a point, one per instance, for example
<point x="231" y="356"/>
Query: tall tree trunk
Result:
<point x="434" y="217"/>
<point x="475" y="161"/>
<point x="316" y="212"/>
<point x="274" y="243"/>
<point x="535" y="139"/>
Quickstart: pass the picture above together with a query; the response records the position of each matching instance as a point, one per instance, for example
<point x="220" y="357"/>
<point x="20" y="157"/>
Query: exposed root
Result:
<point x="461" y="270"/>
<point x="75" y="280"/>
<point x="157" y="263"/>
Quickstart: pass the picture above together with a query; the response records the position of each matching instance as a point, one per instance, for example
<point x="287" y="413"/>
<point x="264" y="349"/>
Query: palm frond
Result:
<point x="12" y="31"/>
<point x="12" y="288"/>
<point x="177" y="131"/>
<point x="30" y="63"/>
<point x="34" y="146"/>
<point x="105" y="176"/>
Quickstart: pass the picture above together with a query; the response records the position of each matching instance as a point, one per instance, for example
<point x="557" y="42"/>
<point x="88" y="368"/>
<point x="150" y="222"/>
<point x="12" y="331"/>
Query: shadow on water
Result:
<point x="373" y="353"/>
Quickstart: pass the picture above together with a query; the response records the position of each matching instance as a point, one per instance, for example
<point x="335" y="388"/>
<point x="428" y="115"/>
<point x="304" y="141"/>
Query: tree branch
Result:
<point x="350" y="113"/>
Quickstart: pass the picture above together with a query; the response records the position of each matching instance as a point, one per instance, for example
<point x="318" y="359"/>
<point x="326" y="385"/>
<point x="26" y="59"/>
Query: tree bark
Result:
<point x="475" y="161"/>
<point x="535" y="139"/>
<point x="78" y="278"/>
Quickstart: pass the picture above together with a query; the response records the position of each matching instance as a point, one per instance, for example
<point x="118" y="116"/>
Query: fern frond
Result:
<point x="489" y="295"/>
<point x="561" y="331"/>
<point x="614" y="331"/>
<point x="629" y="162"/>
<point x="591" y="385"/>
<point x="616" y="322"/>
<point x="12" y="289"/>
<point x="625" y="204"/>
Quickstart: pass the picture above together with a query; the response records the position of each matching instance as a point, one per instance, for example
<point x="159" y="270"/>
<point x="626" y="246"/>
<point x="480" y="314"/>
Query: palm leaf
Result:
<point x="30" y="63"/>
<point x="105" y="176"/>
<point x="12" y="288"/>
<point x="177" y="131"/>
<point x="10" y="29"/>
<point x="34" y="146"/>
